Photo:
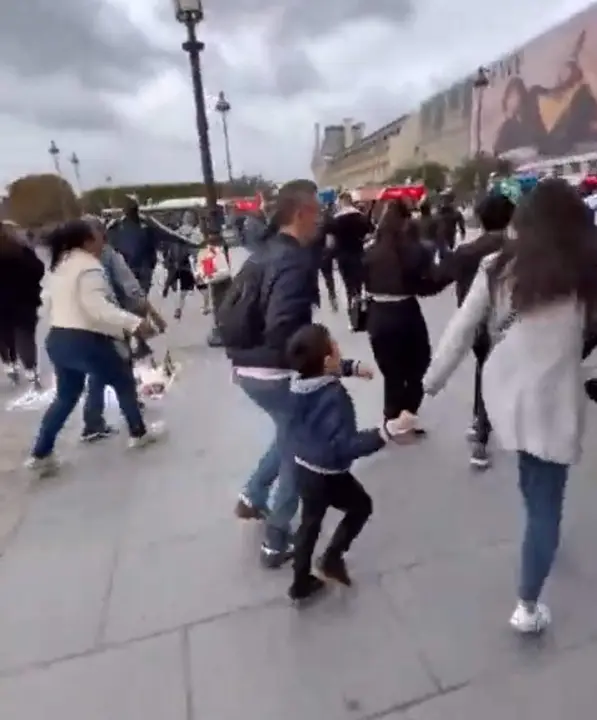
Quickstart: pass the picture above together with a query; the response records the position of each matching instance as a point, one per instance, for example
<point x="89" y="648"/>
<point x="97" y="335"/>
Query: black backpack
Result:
<point x="241" y="315"/>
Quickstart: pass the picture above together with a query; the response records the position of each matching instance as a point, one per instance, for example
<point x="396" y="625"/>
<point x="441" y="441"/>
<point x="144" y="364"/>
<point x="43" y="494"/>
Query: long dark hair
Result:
<point x="552" y="253"/>
<point x="396" y="228"/>
<point x="9" y="243"/>
<point x="70" y="236"/>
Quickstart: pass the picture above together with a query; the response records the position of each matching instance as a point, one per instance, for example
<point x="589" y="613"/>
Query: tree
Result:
<point x="37" y="200"/>
<point x="103" y="197"/>
<point x="432" y="174"/>
<point x="473" y="174"/>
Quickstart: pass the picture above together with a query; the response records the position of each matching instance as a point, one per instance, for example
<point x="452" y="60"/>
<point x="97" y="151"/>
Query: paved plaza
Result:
<point x="128" y="591"/>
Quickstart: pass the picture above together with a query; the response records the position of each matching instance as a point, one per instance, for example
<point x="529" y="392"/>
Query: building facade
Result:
<point x="540" y="102"/>
<point x="346" y="158"/>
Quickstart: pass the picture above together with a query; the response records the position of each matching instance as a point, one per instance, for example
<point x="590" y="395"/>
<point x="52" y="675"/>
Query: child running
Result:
<point x="325" y="441"/>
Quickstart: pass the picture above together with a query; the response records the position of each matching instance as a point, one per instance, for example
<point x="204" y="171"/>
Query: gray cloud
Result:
<point x="91" y="40"/>
<point x="297" y="18"/>
<point x="287" y="73"/>
<point x="56" y="102"/>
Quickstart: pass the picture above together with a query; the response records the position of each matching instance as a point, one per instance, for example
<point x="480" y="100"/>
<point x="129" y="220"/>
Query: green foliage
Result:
<point x="103" y="197"/>
<point x="473" y="174"/>
<point x="38" y="200"/>
<point x="434" y="175"/>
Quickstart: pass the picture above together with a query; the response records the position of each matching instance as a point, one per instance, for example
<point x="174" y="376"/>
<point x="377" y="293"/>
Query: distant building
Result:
<point x="346" y="157"/>
<point x="540" y="103"/>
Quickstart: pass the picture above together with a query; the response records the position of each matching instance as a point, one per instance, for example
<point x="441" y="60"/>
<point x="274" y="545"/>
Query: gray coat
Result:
<point x="533" y="380"/>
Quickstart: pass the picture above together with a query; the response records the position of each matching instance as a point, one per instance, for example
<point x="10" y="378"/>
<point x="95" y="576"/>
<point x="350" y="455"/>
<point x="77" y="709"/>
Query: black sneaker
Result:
<point x="106" y="431"/>
<point x="334" y="569"/>
<point x="307" y="590"/>
<point x="480" y="458"/>
<point x="177" y="314"/>
<point x="244" y="510"/>
<point x="274" y="559"/>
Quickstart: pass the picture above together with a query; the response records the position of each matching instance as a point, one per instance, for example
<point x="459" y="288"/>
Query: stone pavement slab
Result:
<point x="349" y="656"/>
<point x="142" y="681"/>
<point x="132" y="562"/>
<point x="564" y="688"/>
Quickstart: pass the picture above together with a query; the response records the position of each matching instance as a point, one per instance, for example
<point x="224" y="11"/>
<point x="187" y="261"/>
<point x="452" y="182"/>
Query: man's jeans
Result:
<point x="76" y="354"/>
<point x="273" y="397"/>
<point x="542" y="485"/>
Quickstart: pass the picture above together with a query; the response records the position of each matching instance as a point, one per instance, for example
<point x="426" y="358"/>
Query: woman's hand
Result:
<point x="145" y="330"/>
<point x="364" y="372"/>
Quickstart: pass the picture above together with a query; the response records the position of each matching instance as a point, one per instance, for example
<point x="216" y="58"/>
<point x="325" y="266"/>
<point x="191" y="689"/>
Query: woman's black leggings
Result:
<point x="400" y="344"/>
<point x="481" y="350"/>
<point x="17" y="342"/>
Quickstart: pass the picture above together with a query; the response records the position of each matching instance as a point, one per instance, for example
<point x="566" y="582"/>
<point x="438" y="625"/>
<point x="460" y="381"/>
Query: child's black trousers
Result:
<point x="319" y="492"/>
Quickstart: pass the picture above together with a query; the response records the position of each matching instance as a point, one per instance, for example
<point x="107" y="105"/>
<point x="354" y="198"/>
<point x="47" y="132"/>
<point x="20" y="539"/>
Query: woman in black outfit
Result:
<point x="398" y="269"/>
<point x="21" y="273"/>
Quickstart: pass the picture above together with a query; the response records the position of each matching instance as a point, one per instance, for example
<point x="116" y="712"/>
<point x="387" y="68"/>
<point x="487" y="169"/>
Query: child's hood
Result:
<point x="306" y="386"/>
<point x="309" y="394"/>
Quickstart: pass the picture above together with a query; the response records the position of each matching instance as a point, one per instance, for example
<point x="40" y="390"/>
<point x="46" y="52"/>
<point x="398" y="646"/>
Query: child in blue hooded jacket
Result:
<point x="324" y="440"/>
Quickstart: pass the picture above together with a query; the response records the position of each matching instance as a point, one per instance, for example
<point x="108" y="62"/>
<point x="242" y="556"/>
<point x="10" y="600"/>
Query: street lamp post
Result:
<point x="54" y="151"/>
<point x="480" y="83"/>
<point x="76" y="163"/>
<point x="223" y="107"/>
<point x="190" y="14"/>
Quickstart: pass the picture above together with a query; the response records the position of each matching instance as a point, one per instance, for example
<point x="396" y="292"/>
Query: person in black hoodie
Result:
<point x="349" y="228"/>
<point x="495" y="212"/>
<point x="324" y="252"/>
<point x="450" y="221"/>
<point x="21" y="273"/>
<point x="325" y="441"/>
<point x="398" y="269"/>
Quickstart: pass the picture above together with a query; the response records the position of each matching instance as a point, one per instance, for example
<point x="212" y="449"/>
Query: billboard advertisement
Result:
<point x="542" y="101"/>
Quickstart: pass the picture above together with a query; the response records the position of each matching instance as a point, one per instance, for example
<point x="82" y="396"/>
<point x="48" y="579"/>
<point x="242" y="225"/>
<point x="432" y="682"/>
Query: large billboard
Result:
<point x="542" y="100"/>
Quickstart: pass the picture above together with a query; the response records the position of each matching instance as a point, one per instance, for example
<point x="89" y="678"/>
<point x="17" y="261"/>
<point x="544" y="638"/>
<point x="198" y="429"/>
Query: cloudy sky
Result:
<point x="107" y="79"/>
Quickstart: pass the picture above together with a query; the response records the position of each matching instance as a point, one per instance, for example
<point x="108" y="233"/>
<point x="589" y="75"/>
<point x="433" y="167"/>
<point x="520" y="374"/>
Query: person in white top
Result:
<point x="87" y="337"/>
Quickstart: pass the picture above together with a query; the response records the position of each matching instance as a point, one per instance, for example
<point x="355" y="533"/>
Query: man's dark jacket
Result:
<point x="287" y="298"/>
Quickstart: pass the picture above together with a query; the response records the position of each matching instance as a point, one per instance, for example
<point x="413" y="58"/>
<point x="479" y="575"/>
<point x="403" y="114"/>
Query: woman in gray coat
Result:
<point x="538" y="295"/>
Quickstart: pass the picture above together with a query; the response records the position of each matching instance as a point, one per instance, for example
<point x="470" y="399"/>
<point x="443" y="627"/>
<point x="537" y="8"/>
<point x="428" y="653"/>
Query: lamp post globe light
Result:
<point x="223" y="108"/>
<point x="480" y="83"/>
<point x="190" y="14"/>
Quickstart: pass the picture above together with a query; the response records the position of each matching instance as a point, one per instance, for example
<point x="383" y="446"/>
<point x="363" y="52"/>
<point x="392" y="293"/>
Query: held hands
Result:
<point x="145" y="330"/>
<point x="160" y="323"/>
<point x="364" y="372"/>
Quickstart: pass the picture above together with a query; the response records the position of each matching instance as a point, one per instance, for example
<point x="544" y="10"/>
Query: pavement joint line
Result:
<point x="419" y="651"/>
<point x="403" y="708"/>
<point x="116" y="645"/>
<point x="187" y="671"/>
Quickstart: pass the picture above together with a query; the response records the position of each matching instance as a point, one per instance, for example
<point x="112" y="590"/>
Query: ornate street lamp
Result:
<point x="223" y="107"/>
<point x="480" y="83"/>
<point x="190" y="14"/>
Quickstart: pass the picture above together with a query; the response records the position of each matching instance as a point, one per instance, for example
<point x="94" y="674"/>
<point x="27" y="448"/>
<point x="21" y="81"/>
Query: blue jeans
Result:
<point x="273" y="396"/>
<point x="542" y="485"/>
<point x="76" y="354"/>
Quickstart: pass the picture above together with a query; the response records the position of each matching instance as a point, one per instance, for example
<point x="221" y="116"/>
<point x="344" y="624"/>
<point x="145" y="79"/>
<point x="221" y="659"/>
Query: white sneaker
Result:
<point x="530" y="623"/>
<point x="45" y="467"/>
<point x="404" y="424"/>
<point x="155" y="433"/>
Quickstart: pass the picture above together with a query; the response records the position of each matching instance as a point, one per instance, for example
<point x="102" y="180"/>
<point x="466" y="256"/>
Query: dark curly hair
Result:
<point x="552" y="253"/>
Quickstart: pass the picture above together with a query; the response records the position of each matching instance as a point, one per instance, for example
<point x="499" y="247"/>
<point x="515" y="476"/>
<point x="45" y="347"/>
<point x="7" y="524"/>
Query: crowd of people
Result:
<point x="526" y="292"/>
